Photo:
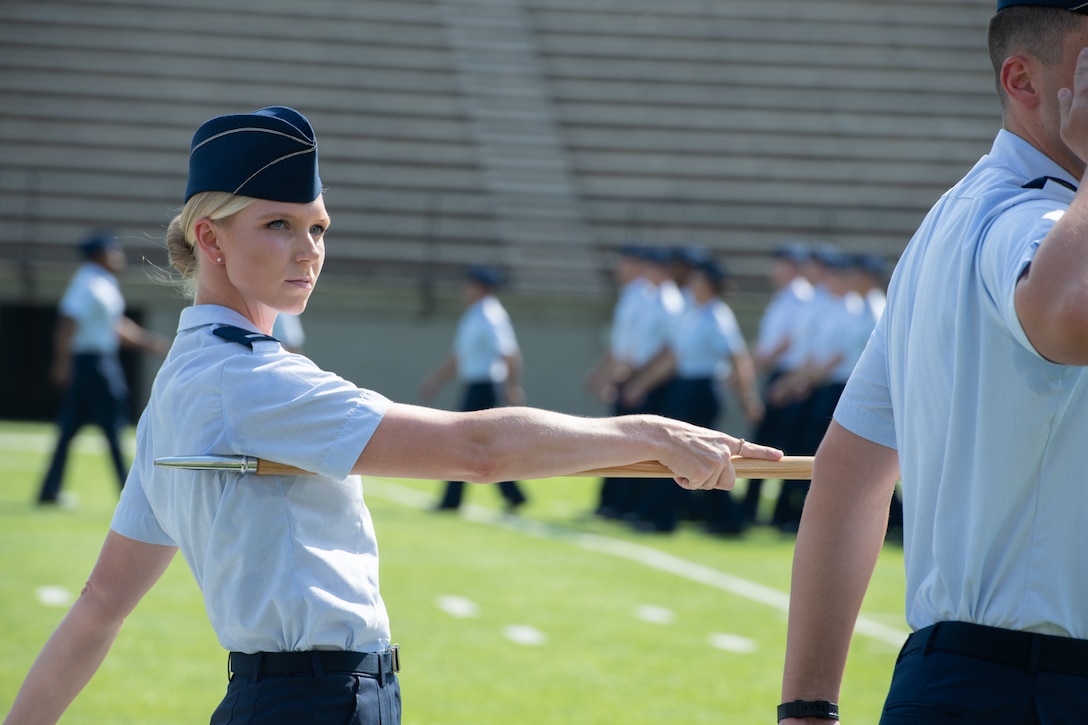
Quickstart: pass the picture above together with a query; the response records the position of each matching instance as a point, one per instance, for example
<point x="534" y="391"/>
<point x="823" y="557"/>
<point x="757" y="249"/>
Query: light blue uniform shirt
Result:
<point x="635" y="302"/>
<point x="704" y="340"/>
<point x="284" y="562"/>
<point x="783" y="320"/>
<point x="842" y="329"/>
<point x="660" y="308"/>
<point x="485" y="337"/>
<point x="992" y="439"/>
<point x="93" y="299"/>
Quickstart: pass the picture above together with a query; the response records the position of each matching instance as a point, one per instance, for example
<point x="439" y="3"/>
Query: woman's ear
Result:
<point x="207" y="239"/>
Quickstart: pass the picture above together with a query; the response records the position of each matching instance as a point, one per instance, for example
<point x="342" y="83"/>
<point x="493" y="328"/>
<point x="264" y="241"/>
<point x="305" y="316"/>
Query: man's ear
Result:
<point x="1017" y="80"/>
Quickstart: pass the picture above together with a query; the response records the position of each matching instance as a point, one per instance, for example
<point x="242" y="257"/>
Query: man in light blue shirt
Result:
<point x="973" y="389"/>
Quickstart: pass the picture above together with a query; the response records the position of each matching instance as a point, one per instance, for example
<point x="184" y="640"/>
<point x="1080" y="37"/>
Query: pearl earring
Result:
<point x="218" y="260"/>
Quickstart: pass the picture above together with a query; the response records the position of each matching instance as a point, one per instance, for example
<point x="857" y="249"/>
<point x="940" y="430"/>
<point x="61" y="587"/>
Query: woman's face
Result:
<point x="272" y="253"/>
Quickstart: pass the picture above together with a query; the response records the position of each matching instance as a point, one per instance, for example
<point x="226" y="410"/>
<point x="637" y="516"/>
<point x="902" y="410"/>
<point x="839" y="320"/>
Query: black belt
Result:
<point x="316" y="663"/>
<point x="1027" y="650"/>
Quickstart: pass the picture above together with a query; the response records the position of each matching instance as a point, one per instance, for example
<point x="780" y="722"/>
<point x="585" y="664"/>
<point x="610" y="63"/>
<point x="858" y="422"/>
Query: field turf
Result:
<point x="547" y="617"/>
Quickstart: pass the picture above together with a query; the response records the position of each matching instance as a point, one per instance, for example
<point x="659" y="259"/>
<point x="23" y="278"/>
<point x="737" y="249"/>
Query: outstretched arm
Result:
<point x="125" y="571"/>
<point x="842" y="531"/>
<point x="512" y="443"/>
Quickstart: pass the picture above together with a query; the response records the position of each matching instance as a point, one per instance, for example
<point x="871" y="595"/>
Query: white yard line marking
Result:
<point x="654" y="614"/>
<point x="89" y="440"/>
<point x="524" y="634"/>
<point x="733" y="643"/>
<point x="639" y="553"/>
<point x="53" y="596"/>
<point x="456" y="606"/>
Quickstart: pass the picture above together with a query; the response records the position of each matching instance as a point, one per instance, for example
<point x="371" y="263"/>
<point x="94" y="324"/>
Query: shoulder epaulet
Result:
<point x="1041" y="182"/>
<point x="242" y="337"/>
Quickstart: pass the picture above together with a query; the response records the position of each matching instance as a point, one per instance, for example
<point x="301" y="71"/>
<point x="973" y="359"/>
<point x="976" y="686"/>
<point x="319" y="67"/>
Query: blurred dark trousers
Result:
<point x="480" y="396"/>
<point x="779" y="428"/>
<point x="340" y="698"/>
<point x="695" y="401"/>
<point x="968" y="674"/>
<point x="816" y="417"/>
<point x="97" y="394"/>
<point x="619" y="497"/>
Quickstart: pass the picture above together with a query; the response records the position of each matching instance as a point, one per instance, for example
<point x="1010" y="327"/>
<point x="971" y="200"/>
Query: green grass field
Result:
<point x="549" y="617"/>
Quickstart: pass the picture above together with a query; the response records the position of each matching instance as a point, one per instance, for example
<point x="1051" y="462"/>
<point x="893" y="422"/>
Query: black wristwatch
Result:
<point x="821" y="709"/>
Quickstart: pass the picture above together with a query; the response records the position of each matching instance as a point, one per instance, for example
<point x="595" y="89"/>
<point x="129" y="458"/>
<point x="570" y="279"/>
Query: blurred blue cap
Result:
<point x="795" y="252"/>
<point x="268" y="154"/>
<point x="689" y="254"/>
<point x="831" y="257"/>
<point x="485" y="276"/>
<point x="98" y="242"/>
<point x="871" y="263"/>
<point x="715" y="271"/>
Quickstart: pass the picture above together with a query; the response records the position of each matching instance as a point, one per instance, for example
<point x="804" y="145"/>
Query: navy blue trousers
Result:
<point x="480" y="396"/>
<point x="620" y="497"/>
<point x="695" y="401"/>
<point x="97" y="394"/>
<point x="335" y="699"/>
<point x="934" y="686"/>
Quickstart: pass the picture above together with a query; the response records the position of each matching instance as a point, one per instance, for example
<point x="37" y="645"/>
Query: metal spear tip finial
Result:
<point x="237" y="464"/>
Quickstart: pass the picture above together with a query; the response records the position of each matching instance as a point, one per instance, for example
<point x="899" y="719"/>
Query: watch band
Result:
<point x="821" y="709"/>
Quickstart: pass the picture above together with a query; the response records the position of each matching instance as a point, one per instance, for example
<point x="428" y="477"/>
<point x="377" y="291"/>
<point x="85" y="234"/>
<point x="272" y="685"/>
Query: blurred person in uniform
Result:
<point x="705" y="348"/>
<point x="486" y="360"/>
<point x="605" y="381"/>
<point x="843" y="328"/>
<point x="653" y="325"/>
<point x="808" y="386"/>
<point x="91" y="329"/>
<point x="867" y="279"/>
<point x="779" y="352"/>
<point x="288" y="564"/>
<point x="682" y="261"/>
<point x="869" y="271"/>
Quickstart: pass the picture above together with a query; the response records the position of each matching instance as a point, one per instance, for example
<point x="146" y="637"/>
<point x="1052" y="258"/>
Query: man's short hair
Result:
<point x="1029" y="30"/>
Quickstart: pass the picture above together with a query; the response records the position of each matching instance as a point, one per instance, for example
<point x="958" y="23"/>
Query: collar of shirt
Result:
<point x="204" y="315"/>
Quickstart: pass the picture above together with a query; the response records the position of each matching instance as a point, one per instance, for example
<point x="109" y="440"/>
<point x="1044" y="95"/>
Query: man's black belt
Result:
<point x="316" y="663"/>
<point x="1027" y="650"/>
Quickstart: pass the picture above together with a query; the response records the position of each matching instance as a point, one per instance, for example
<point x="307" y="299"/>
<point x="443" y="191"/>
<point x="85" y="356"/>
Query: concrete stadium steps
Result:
<point x="741" y="124"/>
<point x="538" y="134"/>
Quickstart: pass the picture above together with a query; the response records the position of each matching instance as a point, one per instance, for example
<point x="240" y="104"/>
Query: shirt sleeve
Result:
<point x="865" y="408"/>
<point x="1006" y="252"/>
<point x="731" y="332"/>
<point x="74" y="302"/>
<point x="299" y="414"/>
<point x="133" y="516"/>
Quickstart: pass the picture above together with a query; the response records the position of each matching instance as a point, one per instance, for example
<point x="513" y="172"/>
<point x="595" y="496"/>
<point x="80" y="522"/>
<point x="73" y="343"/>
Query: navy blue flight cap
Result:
<point x="657" y="255"/>
<point x="268" y="154"/>
<point x="97" y="242"/>
<point x="795" y="252"/>
<point x="1076" y="6"/>
<point x="715" y="271"/>
<point x="485" y="276"/>
<point x="689" y="254"/>
<point x="871" y="263"/>
<point x="831" y="257"/>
